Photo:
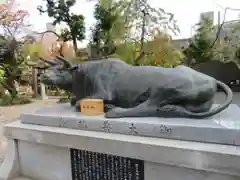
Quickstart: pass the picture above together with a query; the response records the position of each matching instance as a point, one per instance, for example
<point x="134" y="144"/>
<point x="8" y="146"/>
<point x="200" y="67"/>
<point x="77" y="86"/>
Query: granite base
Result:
<point x="222" y="128"/>
<point x="43" y="153"/>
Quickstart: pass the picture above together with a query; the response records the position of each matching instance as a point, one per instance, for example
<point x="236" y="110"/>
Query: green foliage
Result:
<point x="229" y="47"/>
<point x="140" y="11"/>
<point x="157" y="56"/>
<point x="7" y="100"/>
<point x="59" y="10"/>
<point x="237" y="55"/>
<point x="159" y="51"/>
<point x="33" y="50"/>
<point x="127" y="52"/>
<point x="30" y="54"/>
<point x="12" y="62"/>
<point x="15" y="62"/>
<point x="121" y="22"/>
<point x="128" y="25"/>
<point x="1" y="74"/>
<point x="109" y="26"/>
<point x="200" y="47"/>
<point x="63" y="100"/>
<point x="65" y="35"/>
<point x="65" y="97"/>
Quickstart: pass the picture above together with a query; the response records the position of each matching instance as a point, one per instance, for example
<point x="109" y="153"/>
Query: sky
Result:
<point x="187" y="12"/>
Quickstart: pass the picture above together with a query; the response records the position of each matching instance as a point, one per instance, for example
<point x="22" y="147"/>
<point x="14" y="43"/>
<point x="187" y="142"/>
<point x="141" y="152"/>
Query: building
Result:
<point x="209" y="15"/>
<point x="181" y="44"/>
<point x="229" y="31"/>
<point x="51" y="45"/>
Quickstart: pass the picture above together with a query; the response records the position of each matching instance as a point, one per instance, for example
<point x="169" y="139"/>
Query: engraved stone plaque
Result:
<point x="88" y="165"/>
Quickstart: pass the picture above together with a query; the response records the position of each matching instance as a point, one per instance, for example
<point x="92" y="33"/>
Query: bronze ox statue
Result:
<point x="138" y="91"/>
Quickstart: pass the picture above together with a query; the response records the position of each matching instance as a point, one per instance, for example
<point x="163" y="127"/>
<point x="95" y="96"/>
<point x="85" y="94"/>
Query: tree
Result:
<point x="10" y="63"/>
<point x="2" y="92"/>
<point x="161" y="51"/>
<point x="32" y="51"/>
<point x="228" y="47"/>
<point x="128" y="52"/>
<point x="1" y="74"/>
<point x="109" y="26"/>
<point x="12" y="22"/>
<point x="134" y="19"/>
<point x="141" y="18"/>
<point x="59" y="10"/>
<point x="200" y="48"/>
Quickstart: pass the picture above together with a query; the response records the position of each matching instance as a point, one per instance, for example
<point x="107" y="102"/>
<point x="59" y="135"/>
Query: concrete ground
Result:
<point x="11" y="113"/>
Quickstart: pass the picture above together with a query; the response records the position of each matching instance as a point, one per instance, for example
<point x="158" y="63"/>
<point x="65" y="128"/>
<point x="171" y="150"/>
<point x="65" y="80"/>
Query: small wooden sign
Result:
<point x="92" y="107"/>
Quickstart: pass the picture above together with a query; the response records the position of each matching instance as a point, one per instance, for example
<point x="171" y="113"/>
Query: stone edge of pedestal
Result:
<point x="132" y="127"/>
<point x="201" y="156"/>
<point x="22" y="178"/>
<point x="10" y="167"/>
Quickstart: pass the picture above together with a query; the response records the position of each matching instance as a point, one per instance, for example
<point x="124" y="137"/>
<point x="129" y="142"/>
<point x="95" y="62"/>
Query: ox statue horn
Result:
<point x="66" y="62"/>
<point x="47" y="61"/>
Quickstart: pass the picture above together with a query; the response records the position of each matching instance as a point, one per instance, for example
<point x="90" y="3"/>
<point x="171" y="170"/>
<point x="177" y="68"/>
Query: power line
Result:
<point x="228" y="8"/>
<point x="220" y="26"/>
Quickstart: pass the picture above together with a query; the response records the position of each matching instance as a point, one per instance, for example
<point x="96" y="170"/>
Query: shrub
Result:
<point x="21" y="100"/>
<point x="63" y="100"/>
<point x="65" y="97"/>
<point x="7" y="100"/>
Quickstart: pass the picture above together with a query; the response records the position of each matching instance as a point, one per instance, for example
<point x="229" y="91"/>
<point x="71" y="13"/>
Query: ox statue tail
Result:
<point x="229" y="96"/>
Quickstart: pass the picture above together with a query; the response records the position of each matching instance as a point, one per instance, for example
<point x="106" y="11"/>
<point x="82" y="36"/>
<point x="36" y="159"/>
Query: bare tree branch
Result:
<point x="220" y="28"/>
<point x="48" y="31"/>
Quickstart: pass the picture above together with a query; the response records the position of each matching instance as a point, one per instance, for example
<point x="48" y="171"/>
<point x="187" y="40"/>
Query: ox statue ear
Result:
<point x="47" y="61"/>
<point x="73" y="68"/>
<point x="67" y="64"/>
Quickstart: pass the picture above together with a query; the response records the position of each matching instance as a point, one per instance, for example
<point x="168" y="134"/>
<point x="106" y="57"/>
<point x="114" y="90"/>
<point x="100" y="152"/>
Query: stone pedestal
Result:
<point x="222" y="128"/>
<point x="43" y="91"/>
<point x="60" y="144"/>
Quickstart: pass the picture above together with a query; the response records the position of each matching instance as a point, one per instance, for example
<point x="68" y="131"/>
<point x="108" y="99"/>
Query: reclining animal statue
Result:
<point x="138" y="91"/>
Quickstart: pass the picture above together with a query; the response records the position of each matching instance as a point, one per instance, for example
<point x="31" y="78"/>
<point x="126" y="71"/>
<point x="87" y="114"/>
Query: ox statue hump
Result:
<point x="138" y="91"/>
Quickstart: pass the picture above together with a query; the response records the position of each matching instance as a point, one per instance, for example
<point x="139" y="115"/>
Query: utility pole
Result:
<point x="218" y="25"/>
<point x="137" y="60"/>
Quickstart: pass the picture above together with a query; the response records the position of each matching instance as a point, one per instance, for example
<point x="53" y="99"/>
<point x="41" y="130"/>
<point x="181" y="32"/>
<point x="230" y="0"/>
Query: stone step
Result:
<point x="23" y="178"/>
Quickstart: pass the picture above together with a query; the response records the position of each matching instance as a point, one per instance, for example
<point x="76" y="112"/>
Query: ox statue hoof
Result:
<point x="114" y="113"/>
